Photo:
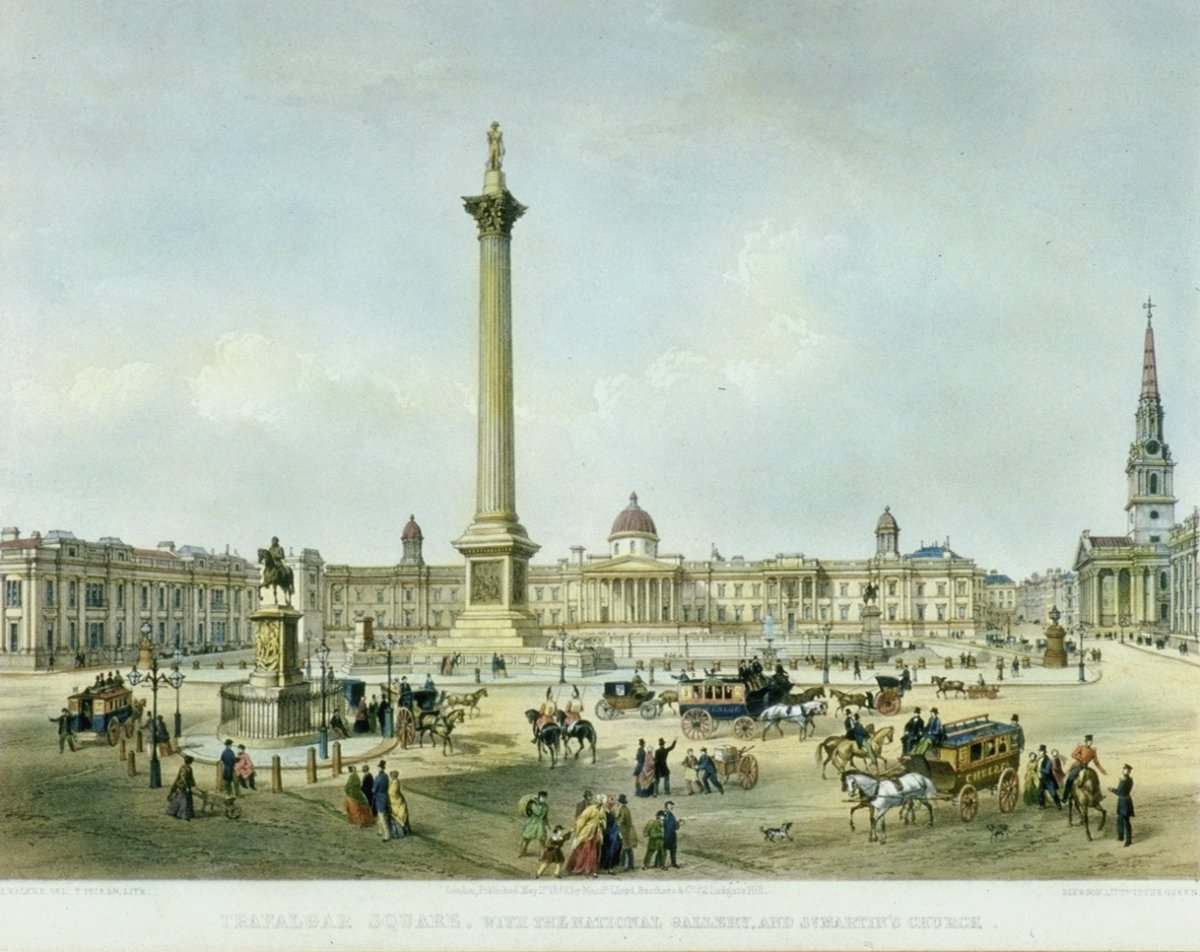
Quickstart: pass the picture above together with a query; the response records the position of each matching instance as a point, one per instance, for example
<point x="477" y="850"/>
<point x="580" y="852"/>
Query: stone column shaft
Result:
<point x="495" y="492"/>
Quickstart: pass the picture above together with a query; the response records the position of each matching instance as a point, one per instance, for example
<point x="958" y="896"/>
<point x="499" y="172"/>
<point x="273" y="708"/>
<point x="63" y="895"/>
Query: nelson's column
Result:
<point x="495" y="545"/>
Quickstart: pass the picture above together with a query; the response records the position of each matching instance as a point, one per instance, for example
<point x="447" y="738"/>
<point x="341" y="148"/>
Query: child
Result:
<point x="553" y="852"/>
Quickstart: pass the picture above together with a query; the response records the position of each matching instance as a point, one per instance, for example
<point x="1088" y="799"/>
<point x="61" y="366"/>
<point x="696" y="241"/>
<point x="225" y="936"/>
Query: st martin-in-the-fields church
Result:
<point x="1125" y="581"/>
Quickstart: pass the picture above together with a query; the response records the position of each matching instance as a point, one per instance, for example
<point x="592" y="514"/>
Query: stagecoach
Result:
<point x="976" y="753"/>
<point x="622" y="696"/>
<point x="703" y="703"/>
<point x="106" y="711"/>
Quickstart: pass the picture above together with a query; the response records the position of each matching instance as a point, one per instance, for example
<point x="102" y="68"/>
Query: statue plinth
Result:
<point x="1055" y="656"/>
<point x="872" y="633"/>
<point x="276" y="655"/>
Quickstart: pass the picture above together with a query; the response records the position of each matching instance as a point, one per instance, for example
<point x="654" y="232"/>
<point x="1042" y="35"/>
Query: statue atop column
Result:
<point x="495" y="148"/>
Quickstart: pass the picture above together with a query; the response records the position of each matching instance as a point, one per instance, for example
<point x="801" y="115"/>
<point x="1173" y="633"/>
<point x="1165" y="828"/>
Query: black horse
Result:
<point x="549" y="737"/>
<point x="581" y="730"/>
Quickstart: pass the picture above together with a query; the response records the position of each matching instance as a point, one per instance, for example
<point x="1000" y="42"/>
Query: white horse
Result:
<point x="883" y="794"/>
<point x="799" y="714"/>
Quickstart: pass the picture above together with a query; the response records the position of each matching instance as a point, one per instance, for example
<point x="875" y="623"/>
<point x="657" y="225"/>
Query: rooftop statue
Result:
<point x="495" y="148"/>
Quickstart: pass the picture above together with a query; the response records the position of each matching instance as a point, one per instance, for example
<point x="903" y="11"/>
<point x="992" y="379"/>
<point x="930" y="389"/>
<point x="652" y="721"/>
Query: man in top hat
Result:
<point x="913" y="731"/>
<point x="1124" y="792"/>
<point x="671" y="824"/>
<point x="228" y="778"/>
<point x="662" y="772"/>
<point x="584" y="803"/>
<point x="934" y="730"/>
<point x="1020" y="733"/>
<point x="1048" y="780"/>
<point x="1083" y="756"/>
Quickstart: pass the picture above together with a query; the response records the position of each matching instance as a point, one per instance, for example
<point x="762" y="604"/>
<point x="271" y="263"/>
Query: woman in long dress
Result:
<point x="179" y="798"/>
<point x="357" y="809"/>
<point x="399" y="808"/>
<point x="589" y="830"/>
<point x="1033" y="782"/>
<point x="361" y="724"/>
<point x="610" y="839"/>
<point x="644" y="785"/>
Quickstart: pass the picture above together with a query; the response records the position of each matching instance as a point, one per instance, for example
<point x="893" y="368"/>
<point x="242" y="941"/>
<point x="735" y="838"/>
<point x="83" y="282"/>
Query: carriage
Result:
<point x="732" y="760"/>
<point x="989" y="691"/>
<point x="108" y="711"/>
<point x="887" y="701"/>
<point x="976" y="753"/>
<point x="703" y="703"/>
<point x="622" y="696"/>
<point x="424" y="702"/>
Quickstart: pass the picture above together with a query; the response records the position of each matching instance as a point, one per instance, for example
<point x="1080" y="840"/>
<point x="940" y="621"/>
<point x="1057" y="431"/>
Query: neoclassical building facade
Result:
<point x="638" y="600"/>
<point x="64" y="595"/>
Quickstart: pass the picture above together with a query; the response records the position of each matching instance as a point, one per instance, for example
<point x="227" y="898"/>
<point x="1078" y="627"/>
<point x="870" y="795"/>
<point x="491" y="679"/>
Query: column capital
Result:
<point x="494" y="213"/>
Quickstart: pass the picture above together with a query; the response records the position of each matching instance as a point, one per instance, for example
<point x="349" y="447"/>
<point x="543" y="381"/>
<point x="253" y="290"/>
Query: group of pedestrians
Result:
<point x="652" y="771"/>
<point x="376" y="799"/>
<point x="1045" y="778"/>
<point x="604" y="834"/>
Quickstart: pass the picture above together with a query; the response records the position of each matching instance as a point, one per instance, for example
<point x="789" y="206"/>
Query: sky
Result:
<point x="783" y="265"/>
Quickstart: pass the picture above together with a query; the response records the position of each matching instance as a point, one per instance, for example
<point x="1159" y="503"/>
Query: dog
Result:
<point x="774" y="834"/>
<point x="999" y="831"/>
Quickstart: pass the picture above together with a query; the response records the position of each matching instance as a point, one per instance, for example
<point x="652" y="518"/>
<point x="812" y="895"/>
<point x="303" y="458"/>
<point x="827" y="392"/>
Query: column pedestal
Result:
<point x="1055" y="656"/>
<point x="872" y="636"/>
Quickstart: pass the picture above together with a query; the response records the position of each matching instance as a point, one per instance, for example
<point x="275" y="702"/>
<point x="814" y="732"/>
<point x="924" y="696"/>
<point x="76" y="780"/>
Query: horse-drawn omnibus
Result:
<point x="703" y="703"/>
<point x="976" y="753"/>
<point x="106" y="711"/>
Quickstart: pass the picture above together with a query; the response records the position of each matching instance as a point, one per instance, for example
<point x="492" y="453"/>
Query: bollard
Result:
<point x="651" y="674"/>
<point x="121" y="750"/>
<point x="337" y="758"/>
<point x="130" y="762"/>
<point x="476" y="675"/>
<point x="311" y="765"/>
<point x="139" y="741"/>
<point x="276" y="775"/>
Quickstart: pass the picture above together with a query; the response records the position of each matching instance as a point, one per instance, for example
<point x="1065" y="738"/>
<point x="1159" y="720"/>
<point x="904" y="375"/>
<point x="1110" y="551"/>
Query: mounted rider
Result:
<point x="546" y="713"/>
<point x="1084" y="756"/>
<point x="573" y="707"/>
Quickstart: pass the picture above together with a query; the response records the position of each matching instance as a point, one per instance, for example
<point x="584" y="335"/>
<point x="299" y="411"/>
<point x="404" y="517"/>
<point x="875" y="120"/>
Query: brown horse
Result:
<point x="808" y="694"/>
<point x="846" y="700"/>
<point x="440" y="726"/>
<point x="468" y="701"/>
<point x="944" y="686"/>
<point x="841" y="751"/>
<point x="1086" y="795"/>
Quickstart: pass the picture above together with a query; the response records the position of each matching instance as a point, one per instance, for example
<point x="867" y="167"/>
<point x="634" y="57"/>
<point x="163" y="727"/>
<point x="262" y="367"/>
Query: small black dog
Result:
<point x="999" y="831"/>
<point x="773" y="834"/>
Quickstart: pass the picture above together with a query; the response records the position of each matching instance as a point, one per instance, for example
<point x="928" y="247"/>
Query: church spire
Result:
<point x="1149" y="367"/>
<point x="1151" y="500"/>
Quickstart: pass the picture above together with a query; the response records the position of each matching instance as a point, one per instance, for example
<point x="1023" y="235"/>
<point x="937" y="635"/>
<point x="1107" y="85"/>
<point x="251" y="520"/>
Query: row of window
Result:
<point x="381" y="594"/>
<point x="95" y="632"/>
<point x="95" y="596"/>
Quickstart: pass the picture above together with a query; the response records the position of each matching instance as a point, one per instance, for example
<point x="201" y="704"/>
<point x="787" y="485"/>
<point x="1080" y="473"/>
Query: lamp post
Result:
<point x="153" y="680"/>
<point x="1082" y="630"/>
<point x="389" y="728"/>
<point x="562" y="662"/>
<point x="323" y="733"/>
<point x="176" y="661"/>
<point x="826" y="631"/>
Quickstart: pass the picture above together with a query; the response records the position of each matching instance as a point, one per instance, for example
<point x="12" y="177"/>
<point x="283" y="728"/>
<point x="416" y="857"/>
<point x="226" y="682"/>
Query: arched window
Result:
<point x="1153" y="484"/>
<point x="1162" y="581"/>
